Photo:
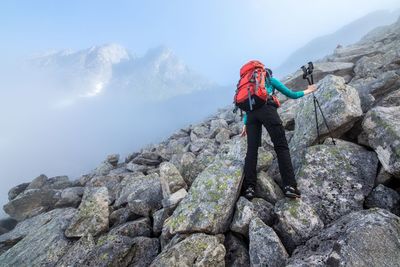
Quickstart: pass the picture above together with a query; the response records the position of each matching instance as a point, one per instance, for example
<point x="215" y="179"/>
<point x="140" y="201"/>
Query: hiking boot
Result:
<point x="249" y="193"/>
<point x="291" y="192"/>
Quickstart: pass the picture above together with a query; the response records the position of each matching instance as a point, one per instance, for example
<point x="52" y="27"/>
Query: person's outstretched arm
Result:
<point x="289" y="93"/>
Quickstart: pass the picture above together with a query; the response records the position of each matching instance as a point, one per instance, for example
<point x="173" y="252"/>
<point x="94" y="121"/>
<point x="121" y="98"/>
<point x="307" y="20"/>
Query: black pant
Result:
<point x="268" y="116"/>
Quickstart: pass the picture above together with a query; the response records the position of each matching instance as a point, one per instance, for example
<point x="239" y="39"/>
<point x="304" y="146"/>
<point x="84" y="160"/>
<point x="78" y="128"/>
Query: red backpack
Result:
<point x="251" y="92"/>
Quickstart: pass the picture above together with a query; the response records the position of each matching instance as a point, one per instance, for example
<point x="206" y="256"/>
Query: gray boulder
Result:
<point x="171" y="179"/>
<point x="143" y="194"/>
<point x="92" y="215"/>
<point x="148" y="158"/>
<point x="377" y="75"/>
<point x="237" y="255"/>
<point x="296" y="222"/>
<point x="113" y="159"/>
<point x="70" y="197"/>
<point x="362" y="238"/>
<point x="264" y="210"/>
<point x="334" y="180"/>
<point x="383" y="177"/>
<point x="264" y="160"/>
<point x="192" y="166"/>
<point x="16" y="190"/>
<point x="77" y="253"/>
<point x="245" y="211"/>
<point x="31" y="203"/>
<point x="223" y="136"/>
<point x="140" y="187"/>
<point x="287" y="113"/>
<point x="27" y="227"/>
<point x="111" y="250"/>
<point x="201" y="144"/>
<point x="385" y="198"/>
<point x="195" y="250"/>
<point x="146" y="250"/>
<point x="199" y="132"/>
<point x="159" y="217"/>
<point x="173" y="200"/>
<point x="210" y="202"/>
<point x="112" y="182"/>
<point x="122" y="215"/>
<point x="7" y="224"/>
<point x="382" y="128"/>
<point x="140" y="227"/>
<point x="391" y="100"/>
<point x="43" y="245"/>
<point x="103" y="169"/>
<point x="340" y="104"/>
<point x="42" y="182"/>
<point x="135" y="168"/>
<point x="267" y="188"/>
<point x="265" y="247"/>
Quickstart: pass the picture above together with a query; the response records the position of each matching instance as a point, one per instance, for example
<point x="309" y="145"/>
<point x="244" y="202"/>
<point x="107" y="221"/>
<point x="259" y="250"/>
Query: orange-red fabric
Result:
<point x="252" y="78"/>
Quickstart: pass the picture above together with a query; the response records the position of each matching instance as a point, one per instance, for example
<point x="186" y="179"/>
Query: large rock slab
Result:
<point x="196" y="250"/>
<point x="334" y="180"/>
<point x="296" y="222"/>
<point x="26" y="227"/>
<point x="363" y="238"/>
<point x="265" y="249"/>
<point x="381" y="126"/>
<point x="43" y="245"/>
<point x="210" y="202"/>
<point x="92" y="216"/>
<point x="340" y="104"/>
<point x="31" y="203"/>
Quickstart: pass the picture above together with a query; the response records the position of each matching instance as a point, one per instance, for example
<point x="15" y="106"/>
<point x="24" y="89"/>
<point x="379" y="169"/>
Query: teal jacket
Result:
<point x="273" y="84"/>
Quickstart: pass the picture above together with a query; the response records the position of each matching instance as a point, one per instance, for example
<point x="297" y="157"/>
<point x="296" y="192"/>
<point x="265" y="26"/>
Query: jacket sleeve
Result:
<point x="245" y="118"/>
<point x="284" y="90"/>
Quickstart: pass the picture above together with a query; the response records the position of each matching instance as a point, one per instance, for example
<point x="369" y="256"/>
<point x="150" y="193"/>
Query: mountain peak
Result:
<point x="109" y="53"/>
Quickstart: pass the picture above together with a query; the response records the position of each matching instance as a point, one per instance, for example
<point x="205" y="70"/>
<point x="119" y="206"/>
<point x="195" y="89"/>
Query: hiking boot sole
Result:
<point x="292" y="195"/>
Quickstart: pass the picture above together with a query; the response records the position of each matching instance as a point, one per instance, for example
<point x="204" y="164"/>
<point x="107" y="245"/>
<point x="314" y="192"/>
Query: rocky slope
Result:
<point x="178" y="203"/>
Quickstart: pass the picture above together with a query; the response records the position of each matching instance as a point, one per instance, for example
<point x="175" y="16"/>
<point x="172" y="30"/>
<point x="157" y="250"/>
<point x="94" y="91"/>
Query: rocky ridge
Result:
<point x="178" y="203"/>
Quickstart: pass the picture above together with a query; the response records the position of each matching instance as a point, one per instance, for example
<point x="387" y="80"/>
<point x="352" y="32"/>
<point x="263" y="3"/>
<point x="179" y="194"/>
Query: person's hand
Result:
<point x="310" y="89"/>
<point x="244" y="132"/>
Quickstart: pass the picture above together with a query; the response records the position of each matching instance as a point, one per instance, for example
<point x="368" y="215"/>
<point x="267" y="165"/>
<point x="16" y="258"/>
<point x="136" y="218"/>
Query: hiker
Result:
<point x="265" y="113"/>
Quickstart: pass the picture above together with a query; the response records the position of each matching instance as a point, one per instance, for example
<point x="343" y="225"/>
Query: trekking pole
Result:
<point x="309" y="72"/>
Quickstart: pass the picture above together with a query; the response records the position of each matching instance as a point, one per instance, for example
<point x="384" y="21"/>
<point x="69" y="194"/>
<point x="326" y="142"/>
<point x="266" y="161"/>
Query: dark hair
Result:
<point x="269" y="72"/>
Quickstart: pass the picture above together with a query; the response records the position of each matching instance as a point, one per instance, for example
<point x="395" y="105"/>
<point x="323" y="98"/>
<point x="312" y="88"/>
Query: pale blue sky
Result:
<point x="211" y="36"/>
